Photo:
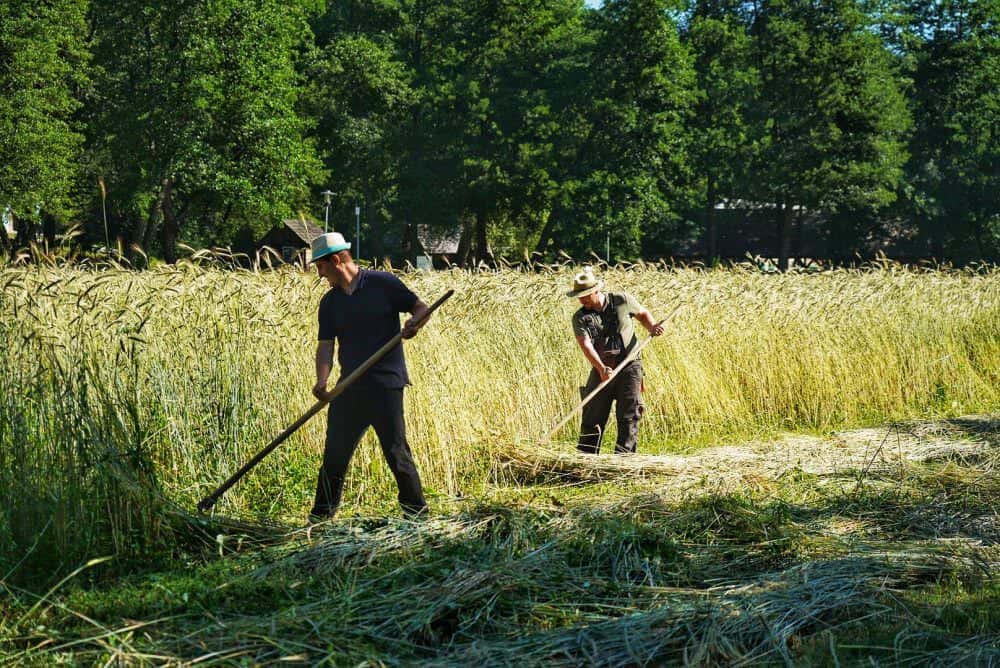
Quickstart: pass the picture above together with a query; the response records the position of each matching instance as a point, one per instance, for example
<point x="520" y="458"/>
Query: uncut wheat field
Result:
<point x="816" y="483"/>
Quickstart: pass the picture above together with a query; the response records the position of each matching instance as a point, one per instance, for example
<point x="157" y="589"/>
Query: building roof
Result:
<point x="749" y="205"/>
<point x="437" y="242"/>
<point x="304" y="229"/>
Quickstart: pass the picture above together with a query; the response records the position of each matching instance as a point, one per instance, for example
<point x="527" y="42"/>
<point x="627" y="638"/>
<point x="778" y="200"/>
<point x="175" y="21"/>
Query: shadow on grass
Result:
<point x="647" y="579"/>
<point x="725" y="578"/>
<point x="984" y="428"/>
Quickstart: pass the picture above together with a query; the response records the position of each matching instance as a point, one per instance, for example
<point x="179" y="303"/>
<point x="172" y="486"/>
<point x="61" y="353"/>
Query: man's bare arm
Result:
<point x="411" y="326"/>
<point x="591" y="354"/>
<point x="646" y="318"/>
<point x="324" y="365"/>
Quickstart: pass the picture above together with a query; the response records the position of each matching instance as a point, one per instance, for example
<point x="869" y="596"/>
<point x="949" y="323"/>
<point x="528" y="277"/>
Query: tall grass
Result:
<point x="123" y="392"/>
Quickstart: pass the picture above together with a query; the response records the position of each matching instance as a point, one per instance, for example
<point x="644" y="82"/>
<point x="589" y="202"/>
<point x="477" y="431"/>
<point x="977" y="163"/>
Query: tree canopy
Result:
<point x="634" y="129"/>
<point x="44" y="74"/>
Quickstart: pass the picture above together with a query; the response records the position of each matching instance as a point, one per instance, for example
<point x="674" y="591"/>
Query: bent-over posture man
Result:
<point x="604" y="332"/>
<point x="361" y="313"/>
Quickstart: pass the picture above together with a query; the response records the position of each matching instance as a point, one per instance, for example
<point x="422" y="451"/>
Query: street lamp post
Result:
<point x="104" y="212"/>
<point x="327" y="196"/>
<point x="607" y="239"/>
<point x="357" y="230"/>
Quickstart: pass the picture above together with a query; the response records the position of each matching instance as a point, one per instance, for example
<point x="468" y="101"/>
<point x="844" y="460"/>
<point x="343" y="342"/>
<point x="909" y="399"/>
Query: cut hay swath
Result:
<point x="851" y="455"/>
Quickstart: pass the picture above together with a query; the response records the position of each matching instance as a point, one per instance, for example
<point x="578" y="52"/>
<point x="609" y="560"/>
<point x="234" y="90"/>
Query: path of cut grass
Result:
<point x="785" y="554"/>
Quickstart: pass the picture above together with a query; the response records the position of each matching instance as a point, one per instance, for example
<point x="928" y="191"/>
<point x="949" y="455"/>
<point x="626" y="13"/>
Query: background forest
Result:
<point x="524" y="125"/>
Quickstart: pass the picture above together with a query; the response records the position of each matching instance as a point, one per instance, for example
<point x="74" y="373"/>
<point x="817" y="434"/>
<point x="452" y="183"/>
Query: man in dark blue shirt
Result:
<point x="361" y="313"/>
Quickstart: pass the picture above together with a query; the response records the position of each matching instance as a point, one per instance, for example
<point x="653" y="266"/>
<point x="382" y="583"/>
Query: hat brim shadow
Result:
<point x="328" y="252"/>
<point x="587" y="291"/>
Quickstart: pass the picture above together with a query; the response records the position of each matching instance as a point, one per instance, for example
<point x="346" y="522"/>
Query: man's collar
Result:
<point x="354" y="284"/>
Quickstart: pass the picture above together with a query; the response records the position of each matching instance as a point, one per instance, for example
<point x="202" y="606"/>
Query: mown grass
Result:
<point x="808" y="569"/>
<point x="126" y="396"/>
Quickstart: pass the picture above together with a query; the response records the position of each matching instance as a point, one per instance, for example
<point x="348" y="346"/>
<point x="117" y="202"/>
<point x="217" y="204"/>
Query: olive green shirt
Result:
<point x="620" y="304"/>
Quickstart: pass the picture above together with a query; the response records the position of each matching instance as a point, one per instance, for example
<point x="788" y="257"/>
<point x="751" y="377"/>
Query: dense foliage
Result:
<point x="521" y="125"/>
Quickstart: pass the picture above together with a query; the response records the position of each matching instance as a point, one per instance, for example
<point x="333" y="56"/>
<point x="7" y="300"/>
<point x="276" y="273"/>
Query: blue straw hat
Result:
<point x="328" y="244"/>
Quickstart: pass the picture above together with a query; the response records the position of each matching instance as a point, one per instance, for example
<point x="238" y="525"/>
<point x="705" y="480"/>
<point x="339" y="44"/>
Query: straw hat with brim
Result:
<point x="328" y="244"/>
<point x="585" y="283"/>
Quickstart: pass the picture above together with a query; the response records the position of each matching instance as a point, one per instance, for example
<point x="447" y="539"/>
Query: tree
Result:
<point x="727" y="83"/>
<point x="626" y="172"/>
<point x="481" y="132"/>
<point x="43" y="58"/>
<point x="361" y="95"/>
<point x="196" y="115"/>
<point x="830" y="115"/>
<point x="955" y="167"/>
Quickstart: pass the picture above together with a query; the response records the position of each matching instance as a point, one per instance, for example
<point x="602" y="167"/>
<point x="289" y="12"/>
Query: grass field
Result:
<point x="818" y="479"/>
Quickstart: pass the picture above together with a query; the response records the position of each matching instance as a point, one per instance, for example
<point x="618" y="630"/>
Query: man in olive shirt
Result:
<point x="604" y="332"/>
<point x="361" y="313"/>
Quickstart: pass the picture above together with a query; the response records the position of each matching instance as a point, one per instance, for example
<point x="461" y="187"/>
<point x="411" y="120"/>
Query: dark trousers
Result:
<point x="350" y="415"/>
<point x="626" y="391"/>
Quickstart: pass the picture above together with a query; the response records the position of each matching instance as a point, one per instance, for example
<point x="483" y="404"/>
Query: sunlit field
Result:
<point x="125" y="397"/>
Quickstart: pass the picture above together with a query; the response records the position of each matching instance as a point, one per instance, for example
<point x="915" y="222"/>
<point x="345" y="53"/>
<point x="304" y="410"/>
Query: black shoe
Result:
<point x="416" y="514"/>
<point x="318" y="517"/>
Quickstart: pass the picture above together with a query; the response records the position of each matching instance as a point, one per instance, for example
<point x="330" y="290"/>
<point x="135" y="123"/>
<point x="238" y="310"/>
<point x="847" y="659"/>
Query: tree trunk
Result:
<point x="798" y="235"/>
<point x="548" y="229"/>
<point x="785" y="235"/>
<point x="411" y="242"/>
<point x="483" y="252"/>
<point x="25" y="231"/>
<point x="465" y="243"/>
<point x="147" y="228"/>
<point x="224" y="221"/>
<point x="49" y="231"/>
<point x="171" y="225"/>
<point x="711" y="223"/>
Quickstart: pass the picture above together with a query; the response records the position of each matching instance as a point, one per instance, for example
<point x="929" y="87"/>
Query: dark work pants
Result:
<point x="350" y="415"/>
<point x="626" y="391"/>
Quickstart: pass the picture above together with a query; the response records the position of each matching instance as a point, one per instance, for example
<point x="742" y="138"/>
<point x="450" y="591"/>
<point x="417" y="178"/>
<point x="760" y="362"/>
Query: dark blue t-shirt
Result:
<point x="364" y="321"/>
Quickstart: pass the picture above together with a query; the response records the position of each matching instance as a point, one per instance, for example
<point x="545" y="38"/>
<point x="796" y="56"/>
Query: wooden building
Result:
<point x="291" y="239"/>
<point x="430" y="248"/>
